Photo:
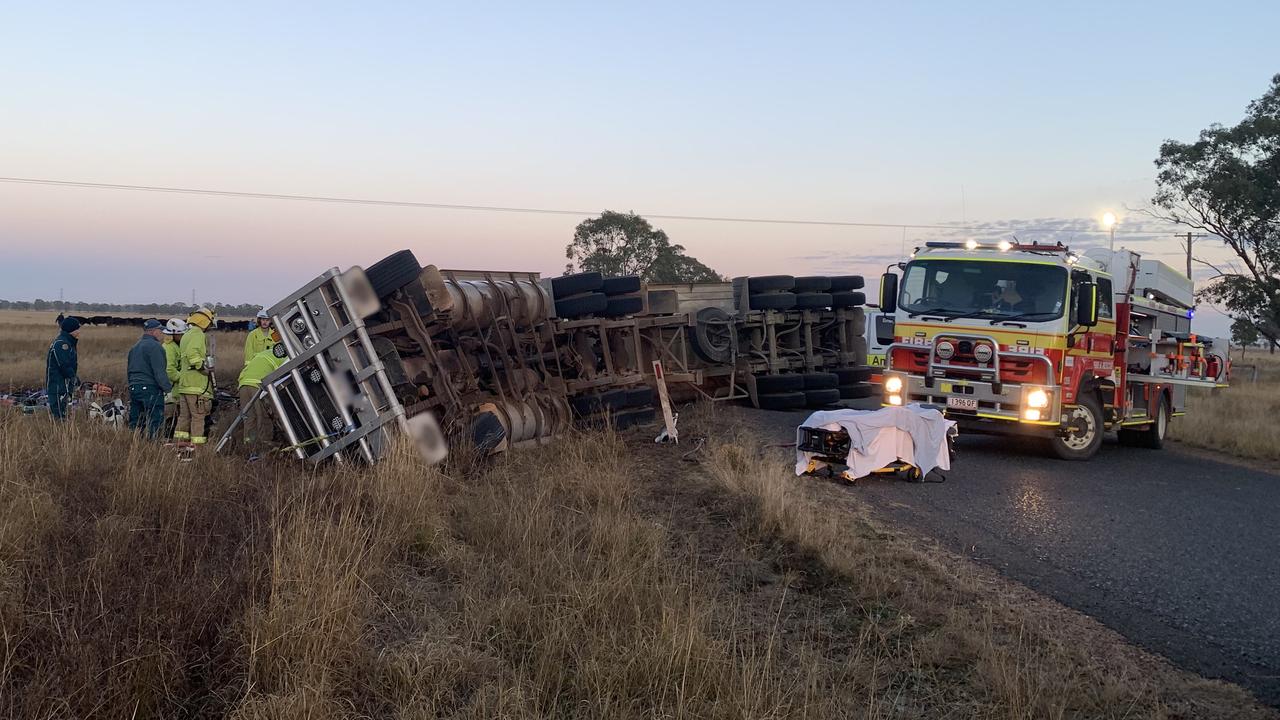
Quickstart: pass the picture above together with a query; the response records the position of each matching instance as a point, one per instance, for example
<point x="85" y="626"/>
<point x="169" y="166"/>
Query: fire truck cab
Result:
<point x="1037" y="339"/>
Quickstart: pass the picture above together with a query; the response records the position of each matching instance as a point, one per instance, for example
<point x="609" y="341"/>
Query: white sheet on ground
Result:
<point x="877" y="438"/>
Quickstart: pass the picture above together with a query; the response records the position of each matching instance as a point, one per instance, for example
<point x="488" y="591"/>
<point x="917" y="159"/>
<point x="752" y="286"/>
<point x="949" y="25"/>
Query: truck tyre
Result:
<point x="844" y="283"/>
<point x="813" y="300"/>
<point x="773" y="301"/>
<point x="820" y="381"/>
<point x="857" y="391"/>
<point x="781" y="401"/>
<point x="771" y="384"/>
<point x="813" y="284"/>
<point x="569" y="285"/>
<point x="620" y="306"/>
<point x="487" y="431"/>
<point x="712" y="335"/>
<point x="848" y="299"/>
<point x="584" y="405"/>
<point x="623" y="285"/>
<point x="1152" y="436"/>
<point x="582" y="305"/>
<point x="640" y="397"/>
<point x="631" y="418"/>
<point x="1083" y="442"/>
<point x="393" y="272"/>
<point x="853" y="375"/>
<point x="821" y="398"/>
<point x="770" y="283"/>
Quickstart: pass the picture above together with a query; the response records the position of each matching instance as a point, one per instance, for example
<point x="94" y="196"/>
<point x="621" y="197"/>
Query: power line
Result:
<point x="539" y="211"/>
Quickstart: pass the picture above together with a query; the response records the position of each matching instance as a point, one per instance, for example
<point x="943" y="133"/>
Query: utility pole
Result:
<point x="1190" y="237"/>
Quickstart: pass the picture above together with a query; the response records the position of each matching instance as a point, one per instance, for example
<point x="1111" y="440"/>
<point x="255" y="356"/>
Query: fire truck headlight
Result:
<point x="893" y="384"/>
<point x="946" y="349"/>
<point x="983" y="353"/>
<point x="971" y="244"/>
<point x="1031" y="414"/>
<point x="895" y="399"/>
<point x="1037" y="399"/>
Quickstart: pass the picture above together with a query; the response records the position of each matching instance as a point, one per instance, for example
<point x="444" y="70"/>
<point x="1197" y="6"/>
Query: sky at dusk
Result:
<point x="1020" y="116"/>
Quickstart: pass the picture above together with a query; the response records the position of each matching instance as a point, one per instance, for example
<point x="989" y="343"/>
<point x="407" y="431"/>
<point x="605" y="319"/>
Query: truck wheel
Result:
<point x="774" y="301"/>
<point x="857" y="391"/>
<point x="770" y="384"/>
<point x="1083" y="442"/>
<point x="770" y="283"/>
<point x="848" y="299"/>
<point x="813" y="300"/>
<point x="782" y="401"/>
<point x="712" y="335"/>
<point x="640" y="397"/>
<point x="393" y="272"/>
<point x="588" y="304"/>
<point x="843" y="283"/>
<point x="813" y="284"/>
<point x="623" y="285"/>
<point x="853" y="375"/>
<point x="820" y="381"/>
<point x="621" y="306"/>
<point x="576" y="284"/>
<point x="1152" y="436"/>
<point x="821" y="398"/>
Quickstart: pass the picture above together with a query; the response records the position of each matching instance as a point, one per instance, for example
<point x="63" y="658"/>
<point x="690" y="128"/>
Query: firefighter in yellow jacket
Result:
<point x="257" y="422"/>
<point x="195" y="379"/>
<point x="173" y="331"/>
<point x="259" y="339"/>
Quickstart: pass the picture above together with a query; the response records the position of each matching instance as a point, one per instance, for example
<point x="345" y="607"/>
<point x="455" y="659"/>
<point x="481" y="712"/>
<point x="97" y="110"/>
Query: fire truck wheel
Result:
<point x="576" y="284"/>
<point x="621" y="285"/>
<point x="853" y="375"/>
<point x="848" y="299"/>
<point x="781" y="401"/>
<point x="770" y="283"/>
<point x="821" y="398"/>
<point x="770" y="384"/>
<point x="712" y="335"/>
<point x="813" y="284"/>
<point x="813" y="300"/>
<point x="820" y="381"/>
<point x="587" y="304"/>
<point x="774" y="301"/>
<point x="843" y="283"/>
<point x="620" y="306"/>
<point x="1152" y="436"/>
<point x="858" y="391"/>
<point x="1081" y="442"/>
<point x="393" y="272"/>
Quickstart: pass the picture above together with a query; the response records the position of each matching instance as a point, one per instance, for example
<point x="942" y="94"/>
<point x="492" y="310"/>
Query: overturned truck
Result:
<point x="508" y="359"/>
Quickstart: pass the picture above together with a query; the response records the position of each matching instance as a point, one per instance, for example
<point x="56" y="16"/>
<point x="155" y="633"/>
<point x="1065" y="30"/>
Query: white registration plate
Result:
<point x="962" y="403"/>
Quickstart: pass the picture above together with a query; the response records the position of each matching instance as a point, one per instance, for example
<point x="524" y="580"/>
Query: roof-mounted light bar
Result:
<point x="1003" y="246"/>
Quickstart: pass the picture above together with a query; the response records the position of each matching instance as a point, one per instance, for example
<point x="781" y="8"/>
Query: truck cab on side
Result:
<point x="1034" y="339"/>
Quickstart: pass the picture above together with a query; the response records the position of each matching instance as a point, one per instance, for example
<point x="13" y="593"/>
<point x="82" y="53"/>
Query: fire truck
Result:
<point x="1037" y="339"/>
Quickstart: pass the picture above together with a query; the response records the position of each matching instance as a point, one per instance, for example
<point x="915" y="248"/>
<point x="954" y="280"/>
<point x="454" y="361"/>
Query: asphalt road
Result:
<point x="1176" y="551"/>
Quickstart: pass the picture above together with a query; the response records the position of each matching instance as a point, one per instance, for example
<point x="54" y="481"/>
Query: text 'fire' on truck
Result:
<point x="1036" y="339"/>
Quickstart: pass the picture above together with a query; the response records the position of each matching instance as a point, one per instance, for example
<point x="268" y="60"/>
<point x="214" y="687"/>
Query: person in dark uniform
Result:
<point x="62" y="368"/>
<point x="148" y="380"/>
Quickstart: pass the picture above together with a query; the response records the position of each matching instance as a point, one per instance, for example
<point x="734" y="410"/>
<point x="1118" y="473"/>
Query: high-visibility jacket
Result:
<point x="257" y="341"/>
<point x="171" y="359"/>
<point x="192" y="380"/>
<point x="258" y="367"/>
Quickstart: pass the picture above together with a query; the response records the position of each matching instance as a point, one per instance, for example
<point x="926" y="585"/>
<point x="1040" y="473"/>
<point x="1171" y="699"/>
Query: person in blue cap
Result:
<point x="61" y="376"/>
<point x="148" y="380"/>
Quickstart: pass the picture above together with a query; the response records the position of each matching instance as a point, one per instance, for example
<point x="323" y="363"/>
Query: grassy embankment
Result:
<point x="1242" y="420"/>
<point x="598" y="577"/>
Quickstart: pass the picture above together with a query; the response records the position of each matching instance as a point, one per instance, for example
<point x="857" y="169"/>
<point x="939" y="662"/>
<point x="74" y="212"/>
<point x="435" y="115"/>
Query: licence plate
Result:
<point x="962" y="403"/>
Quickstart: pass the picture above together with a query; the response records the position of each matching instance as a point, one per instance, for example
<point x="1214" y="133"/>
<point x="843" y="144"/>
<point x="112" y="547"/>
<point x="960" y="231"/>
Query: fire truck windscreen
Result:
<point x="976" y="288"/>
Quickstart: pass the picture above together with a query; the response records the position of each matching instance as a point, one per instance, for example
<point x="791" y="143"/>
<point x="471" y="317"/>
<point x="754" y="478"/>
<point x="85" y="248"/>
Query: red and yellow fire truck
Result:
<point x="1036" y="339"/>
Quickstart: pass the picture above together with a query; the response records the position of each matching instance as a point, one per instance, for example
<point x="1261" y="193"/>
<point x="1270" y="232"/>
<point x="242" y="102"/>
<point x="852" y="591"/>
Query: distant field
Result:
<point x="25" y="338"/>
<point x="1243" y="419"/>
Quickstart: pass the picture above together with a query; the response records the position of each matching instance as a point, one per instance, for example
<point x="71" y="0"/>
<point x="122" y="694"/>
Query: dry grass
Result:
<point x="599" y="577"/>
<point x="1240" y="420"/>
<point x="25" y="338"/>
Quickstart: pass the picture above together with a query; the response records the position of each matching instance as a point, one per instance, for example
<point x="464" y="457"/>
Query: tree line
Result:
<point x="150" y="309"/>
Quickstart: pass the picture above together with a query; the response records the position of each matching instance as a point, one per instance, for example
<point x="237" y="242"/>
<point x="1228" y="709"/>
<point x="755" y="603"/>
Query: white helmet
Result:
<point x="175" y="326"/>
<point x="262" y="315"/>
